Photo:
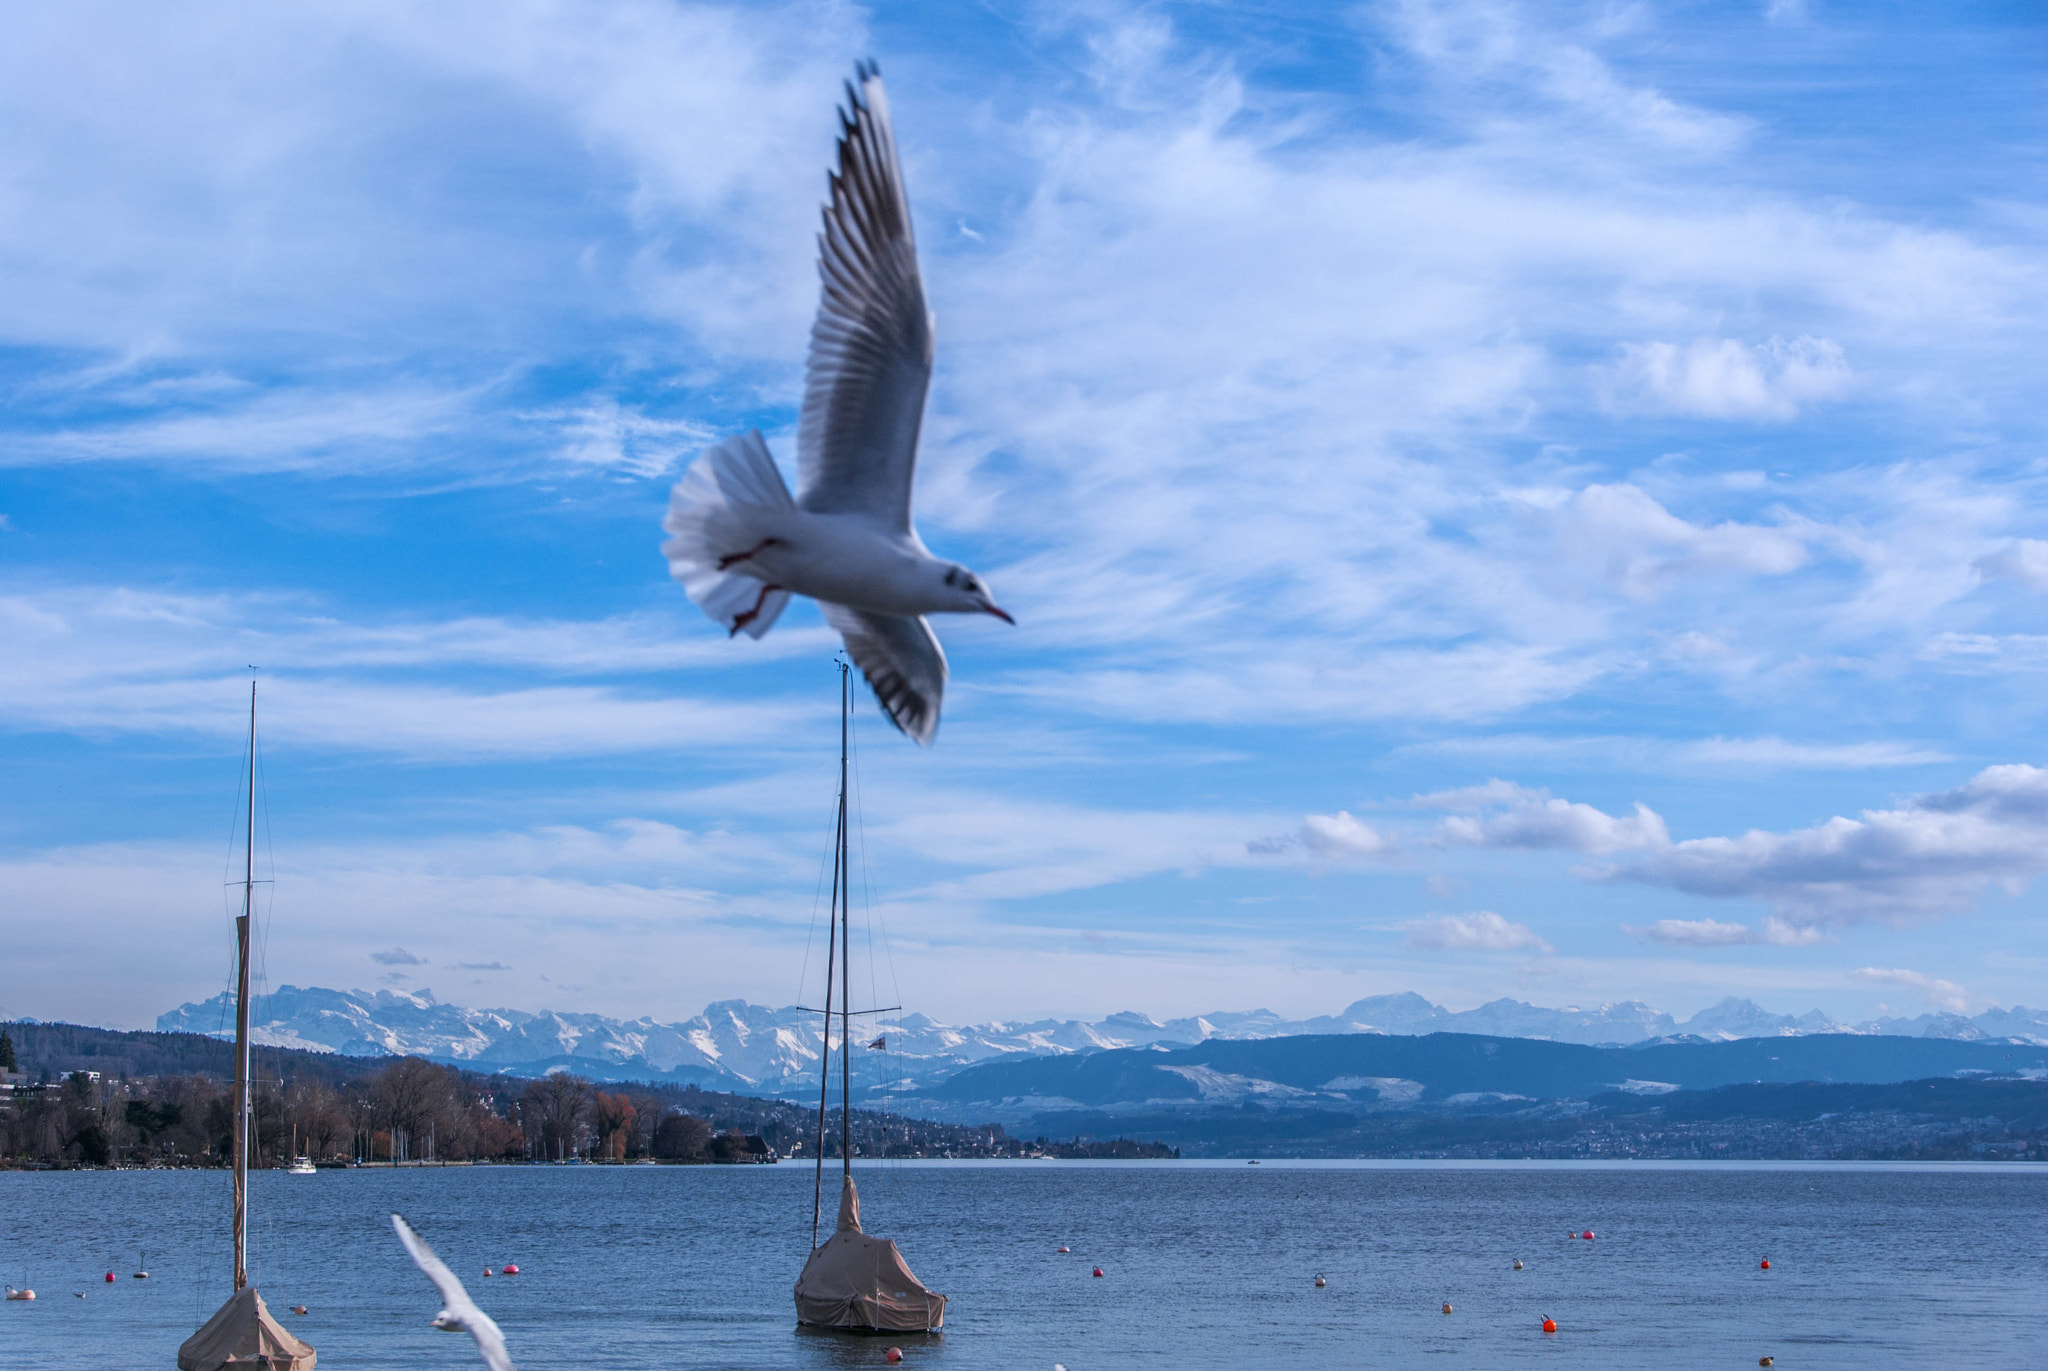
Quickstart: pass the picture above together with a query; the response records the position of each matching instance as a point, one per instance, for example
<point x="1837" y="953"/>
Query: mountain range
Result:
<point x="1363" y="1074"/>
<point x="738" y="1046"/>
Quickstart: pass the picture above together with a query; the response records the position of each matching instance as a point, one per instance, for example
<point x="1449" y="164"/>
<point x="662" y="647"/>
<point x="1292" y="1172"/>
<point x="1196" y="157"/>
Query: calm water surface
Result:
<point x="1207" y="1265"/>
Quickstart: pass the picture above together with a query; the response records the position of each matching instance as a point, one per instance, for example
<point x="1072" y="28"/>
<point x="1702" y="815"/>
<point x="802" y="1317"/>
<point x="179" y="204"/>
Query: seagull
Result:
<point x="742" y="545"/>
<point x="459" y="1313"/>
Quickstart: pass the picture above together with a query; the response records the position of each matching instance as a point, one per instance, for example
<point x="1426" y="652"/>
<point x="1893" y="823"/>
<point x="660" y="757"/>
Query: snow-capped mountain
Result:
<point x="735" y="1045"/>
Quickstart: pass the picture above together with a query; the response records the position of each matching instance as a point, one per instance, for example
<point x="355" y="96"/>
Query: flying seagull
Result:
<point x="741" y="545"/>
<point x="459" y="1313"/>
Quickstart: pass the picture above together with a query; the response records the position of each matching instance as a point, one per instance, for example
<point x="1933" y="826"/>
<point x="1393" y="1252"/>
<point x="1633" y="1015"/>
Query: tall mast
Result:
<point x="825" y="1050"/>
<point x="844" y="878"/>
<point x="241" y="1140"/>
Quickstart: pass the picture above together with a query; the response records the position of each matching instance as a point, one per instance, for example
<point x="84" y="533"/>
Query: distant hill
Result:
<point x="1359" y="1073"/>
<point x="62" y="1048"/>
<point x="734" y="1045"/>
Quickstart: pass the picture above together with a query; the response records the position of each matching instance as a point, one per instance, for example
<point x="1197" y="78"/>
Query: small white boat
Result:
<point x="301" y="1166"/>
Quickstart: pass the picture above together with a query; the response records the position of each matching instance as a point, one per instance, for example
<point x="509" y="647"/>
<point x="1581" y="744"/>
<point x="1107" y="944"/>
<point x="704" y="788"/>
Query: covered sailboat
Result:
<point x="852" y="1281"/>
<point x="241" y="1333"/>
<point x="855" y="1281"/>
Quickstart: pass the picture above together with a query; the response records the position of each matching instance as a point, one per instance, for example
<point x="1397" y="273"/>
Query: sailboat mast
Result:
<point x="844" y="878"/>
<point x="241" y="1138"/>
<point x="831" y="950"/>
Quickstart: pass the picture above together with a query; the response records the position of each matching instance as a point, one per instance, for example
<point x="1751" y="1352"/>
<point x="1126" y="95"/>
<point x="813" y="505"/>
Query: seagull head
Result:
<point x="966" y="593"/>
<point x="448" y="1323"/>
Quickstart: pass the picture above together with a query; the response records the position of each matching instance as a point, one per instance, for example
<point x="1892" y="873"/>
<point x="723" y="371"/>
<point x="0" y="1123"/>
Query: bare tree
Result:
<point x="414" y="1096"/>
<point x="681" y="1137"/>
<point x="558" y="1109"/>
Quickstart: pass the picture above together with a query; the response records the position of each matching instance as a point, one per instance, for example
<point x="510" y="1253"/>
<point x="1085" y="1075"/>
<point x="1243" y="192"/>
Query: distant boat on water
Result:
<point x="852" y="1281"/>
<point x="241" y="1332"/>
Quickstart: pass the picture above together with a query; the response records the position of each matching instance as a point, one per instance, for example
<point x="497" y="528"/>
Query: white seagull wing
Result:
<point x="489" y="1340"/>
<point x="902" y="661"/>
<point x="871" y="346"/>
<point x="454" y="1298"/>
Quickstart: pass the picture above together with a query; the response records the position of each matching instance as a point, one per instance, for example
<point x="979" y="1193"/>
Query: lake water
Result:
<point x="1207" y="1265"/>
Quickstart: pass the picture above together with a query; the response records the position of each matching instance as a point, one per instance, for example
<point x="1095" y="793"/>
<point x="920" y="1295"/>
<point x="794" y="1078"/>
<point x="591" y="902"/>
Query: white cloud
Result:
<point x="1644" y="753"/>
<point x="1340" y="836"/>
<point x="1942" y="995"/>
<point x="1480" y="931"/>
<point x="1716" y="933"/>
<point x="1643" y="548"/>
<point x="106" y="659"/>
<point x="1935" y="854"/>
<point x="2024" y="560"/>
<point x="1468" y="44"/>
<point x="1520" y="818"/>
<point x="607" y="434"/>
<point x="1722" y="378"/>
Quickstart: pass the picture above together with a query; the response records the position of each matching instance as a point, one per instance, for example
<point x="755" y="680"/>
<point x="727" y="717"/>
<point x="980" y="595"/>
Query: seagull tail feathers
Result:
<point x="721" y="508"/>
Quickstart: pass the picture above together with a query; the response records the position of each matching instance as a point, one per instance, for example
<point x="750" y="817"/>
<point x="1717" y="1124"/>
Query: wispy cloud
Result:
<point x="1717" y="933"/>
<point x="1483" y="931"/>
<point x="1943" y="995"/>
<point x="1935" y="854"/>
<point x="1721" y="378"/>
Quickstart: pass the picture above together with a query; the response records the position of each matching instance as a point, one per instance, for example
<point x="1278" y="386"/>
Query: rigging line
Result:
<point x="888" y="947"/>
<point x="859" y="825"/>
<point x="811" y="933"/>
<point x="825" y="1050"/>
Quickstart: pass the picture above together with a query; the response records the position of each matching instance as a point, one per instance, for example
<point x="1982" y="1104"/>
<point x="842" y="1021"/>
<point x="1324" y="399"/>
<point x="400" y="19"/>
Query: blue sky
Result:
<point x="1533" y="500"/>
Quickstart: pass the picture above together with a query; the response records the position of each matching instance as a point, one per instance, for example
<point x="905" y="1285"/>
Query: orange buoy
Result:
<point x="1765" y="1361"/>
<point x="893" y="1354"/>
<point x="1098" y="1270"/>
<point x="1766" y="1264"/>
<point x="1447" y="1306"/>
<point x="1549" y="1324"/>
<point x="509" y="1270"/>
<point x="298" y="1309"/>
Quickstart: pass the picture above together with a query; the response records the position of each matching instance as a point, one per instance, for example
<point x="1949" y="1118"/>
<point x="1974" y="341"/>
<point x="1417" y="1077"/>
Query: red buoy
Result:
<point x="1064" y="1250"/>
<point x="487" y="1270"/>
<point x="509" y="1270"/>
<point x="893" y="1354"/>
<point x="110" y="1278"/>
<point x="1098" y="1270"/>
<point x="1549" y="1325"/>
<point x="1767" y="1263"/>
<point x="1587" y="1235"/>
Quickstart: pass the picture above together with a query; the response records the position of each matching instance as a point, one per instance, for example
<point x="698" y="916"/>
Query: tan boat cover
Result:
<point x="855" y="1281"/>
<point x="242" y="1334"/>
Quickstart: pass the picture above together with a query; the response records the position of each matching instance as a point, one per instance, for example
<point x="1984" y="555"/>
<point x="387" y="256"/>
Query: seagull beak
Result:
<point x="993" y="608"/>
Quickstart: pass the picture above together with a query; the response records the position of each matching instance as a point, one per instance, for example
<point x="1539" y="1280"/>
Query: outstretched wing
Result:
<point x="902" y="661"/>
<point x="871" y="347"/>
<point x="453" y="1297"/>
<point x="489" y="1341"/>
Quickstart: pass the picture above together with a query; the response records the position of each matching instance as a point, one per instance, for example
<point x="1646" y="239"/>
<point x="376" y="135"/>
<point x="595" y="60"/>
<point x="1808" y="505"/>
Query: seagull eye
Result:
<point x="952" y="576"/>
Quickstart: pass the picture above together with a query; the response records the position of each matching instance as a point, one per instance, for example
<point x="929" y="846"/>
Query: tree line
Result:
<point x="97" y="1097"/>
<point x="405" y="1110"/>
